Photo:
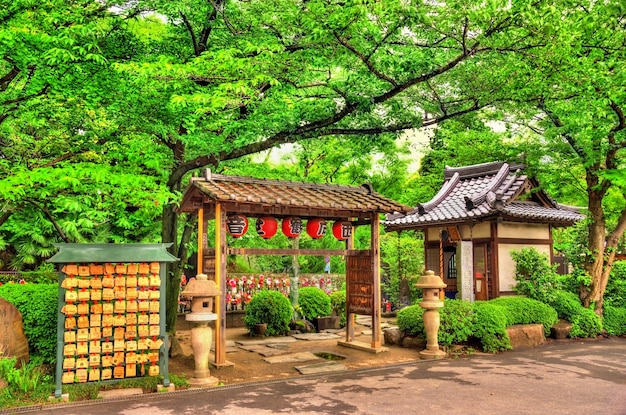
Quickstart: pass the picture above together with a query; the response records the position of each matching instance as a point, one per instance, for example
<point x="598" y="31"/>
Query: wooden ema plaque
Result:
<point x="111" y="322"/>
<point x="360" y="285"/>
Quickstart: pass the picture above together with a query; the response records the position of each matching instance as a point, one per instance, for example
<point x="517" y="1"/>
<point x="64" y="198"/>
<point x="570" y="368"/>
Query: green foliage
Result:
<point x="410" y="320"/>
<point x="314" y="303"/>
<point x="338" y="305"/>
<point x="272" y="308"/>
<point x="402" y="256"/>
<point x="585" y="323"/>
<point x="522" y="310"/>
<point x="615" y="294"/>
<point x="27" y="384"/>
<point x="614" y="320"/>
<point x="535" y="277"/>
<point x="457" y="322"/>
<point x="38" y="305"/>
<point x="490" y="326"/>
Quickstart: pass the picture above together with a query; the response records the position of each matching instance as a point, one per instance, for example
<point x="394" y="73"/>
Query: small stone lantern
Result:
<point x="430" y="285"/>
<point x="202" y="291"/>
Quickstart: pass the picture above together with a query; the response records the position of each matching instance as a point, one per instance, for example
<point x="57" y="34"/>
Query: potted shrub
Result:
<point x="316" y="308"/>
<point x="270" y="308"/>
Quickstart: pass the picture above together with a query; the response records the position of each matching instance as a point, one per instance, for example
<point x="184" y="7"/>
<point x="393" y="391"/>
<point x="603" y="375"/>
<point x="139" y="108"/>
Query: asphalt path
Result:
<point x="561" y="377"/>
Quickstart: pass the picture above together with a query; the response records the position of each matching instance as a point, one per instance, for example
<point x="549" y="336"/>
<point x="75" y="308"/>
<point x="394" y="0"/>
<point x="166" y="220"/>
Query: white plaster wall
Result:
<point x="506" y="265"/>
<point x="523" y="230"/>
<point x="432" y="234"/>
<point x="480" y="230"/>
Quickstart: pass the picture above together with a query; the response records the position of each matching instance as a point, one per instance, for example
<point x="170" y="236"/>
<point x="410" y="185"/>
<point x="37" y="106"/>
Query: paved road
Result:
<point x="571" y="377"/>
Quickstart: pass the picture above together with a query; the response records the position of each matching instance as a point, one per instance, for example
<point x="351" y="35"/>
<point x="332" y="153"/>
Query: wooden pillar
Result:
<point x="200" y="255"/>
<point x="375" y="247"/>
<point x="220" y="281"/>
<point x="349" y="316"/>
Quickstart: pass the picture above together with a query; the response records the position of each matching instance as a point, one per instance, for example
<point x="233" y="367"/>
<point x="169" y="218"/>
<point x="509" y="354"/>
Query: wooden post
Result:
<point x="200" y="258"/>
<point x="375" y="246"/>
<point x="220" y="275"/>
<point x="349" y="316"/>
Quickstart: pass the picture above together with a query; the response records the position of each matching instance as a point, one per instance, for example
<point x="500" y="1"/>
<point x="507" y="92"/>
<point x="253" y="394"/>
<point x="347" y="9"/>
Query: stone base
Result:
<point x="432" y="354"/>
<point x="561" y="330"/>
<point x="362" y="346"/>
<point x="204" y="382"/>
<point x="170" y="388"/>
<point x="65" y="397"/>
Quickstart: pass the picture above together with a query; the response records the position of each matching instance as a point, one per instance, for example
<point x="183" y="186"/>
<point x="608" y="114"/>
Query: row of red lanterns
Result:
<point x="267" y="226"/>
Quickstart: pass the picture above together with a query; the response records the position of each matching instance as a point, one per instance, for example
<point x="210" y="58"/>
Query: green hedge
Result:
<point x="490" y="326"/>
<point x="614" y="320"/>
<point x="521" y="310"/>
<point x="410" y="320"/>
<point x="585" y="323"/>
<point x="314" y="303"/>
<point x="38" y="304"/>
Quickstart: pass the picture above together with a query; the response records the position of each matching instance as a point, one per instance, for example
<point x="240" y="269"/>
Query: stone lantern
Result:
<point x="202" y="292"/>
<point x="430" y="285"/>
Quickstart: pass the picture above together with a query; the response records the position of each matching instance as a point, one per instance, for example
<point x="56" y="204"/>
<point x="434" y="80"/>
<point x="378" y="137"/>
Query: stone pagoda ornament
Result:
<point x="431" y="303"/>
<point x="202" y="293"/>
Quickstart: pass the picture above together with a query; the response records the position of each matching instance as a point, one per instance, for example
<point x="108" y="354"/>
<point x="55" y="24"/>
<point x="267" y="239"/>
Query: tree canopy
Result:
<point x="107" y="108"/>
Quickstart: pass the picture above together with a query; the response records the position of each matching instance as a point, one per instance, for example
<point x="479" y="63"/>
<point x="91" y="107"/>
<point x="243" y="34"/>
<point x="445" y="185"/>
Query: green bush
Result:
<point x="521" y="310"/>
<point x="410" y="320"/>
<point x="38" y="304"/>
<point x="615" y="294"/>
<point x="271" y="307"/>
<point x="314" y="303"/>
<point x="535" y="277"/>
<point x="490" y="324"/>
<point x="457" y="321"/>
<point x="614" y="320"/>
<point x="338" y="305"/>
<point x="585" y="323"/>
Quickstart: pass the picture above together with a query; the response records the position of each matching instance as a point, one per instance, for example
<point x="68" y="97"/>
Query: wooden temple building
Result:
<point x="481" y="213"/>
<point x="231" y="200"/>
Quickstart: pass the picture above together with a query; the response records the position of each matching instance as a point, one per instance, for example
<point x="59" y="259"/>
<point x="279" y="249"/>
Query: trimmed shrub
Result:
<point x="457" y="321"/>
<point x="521" y="310"/>
<point x="585" y="323"/>
<point x="271" y="307"/>
<point x="615" y="294"/>
<point x="490" y="326"/>
<point x="614" y="320"/>
<point x="38" y="305"/>
<point x="338" y="305"/>
<point x="410" y="320"/>
<point x="314" y="303"/>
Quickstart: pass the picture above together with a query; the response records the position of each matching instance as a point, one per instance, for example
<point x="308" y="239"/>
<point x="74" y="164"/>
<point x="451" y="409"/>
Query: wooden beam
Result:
<point x="314" y="252"/>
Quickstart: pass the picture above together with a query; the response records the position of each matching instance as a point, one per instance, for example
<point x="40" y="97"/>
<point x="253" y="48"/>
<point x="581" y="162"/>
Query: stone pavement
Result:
<point x="559" y="377"/>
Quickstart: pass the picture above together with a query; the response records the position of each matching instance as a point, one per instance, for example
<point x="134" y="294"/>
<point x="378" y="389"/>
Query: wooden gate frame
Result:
<point x="214" y="197"/>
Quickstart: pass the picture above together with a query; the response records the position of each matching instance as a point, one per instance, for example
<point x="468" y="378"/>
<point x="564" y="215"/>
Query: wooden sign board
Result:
<point x="360" y="285"/>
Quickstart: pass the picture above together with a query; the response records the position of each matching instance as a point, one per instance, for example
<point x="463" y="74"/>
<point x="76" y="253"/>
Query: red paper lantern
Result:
<point x="316" y="228"/>
<point x="236" y="225"/>
<point x="266" y="226"/>
<point x="292" y="226"/>
<point x="342" y="230"/>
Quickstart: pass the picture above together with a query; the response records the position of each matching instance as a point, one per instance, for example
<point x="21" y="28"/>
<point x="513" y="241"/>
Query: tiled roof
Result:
<point x="481" y="192"/>
<point x="290" y="194"/>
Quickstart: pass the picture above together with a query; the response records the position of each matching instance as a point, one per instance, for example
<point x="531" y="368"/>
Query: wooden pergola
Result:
<point x="215" y="197"/>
